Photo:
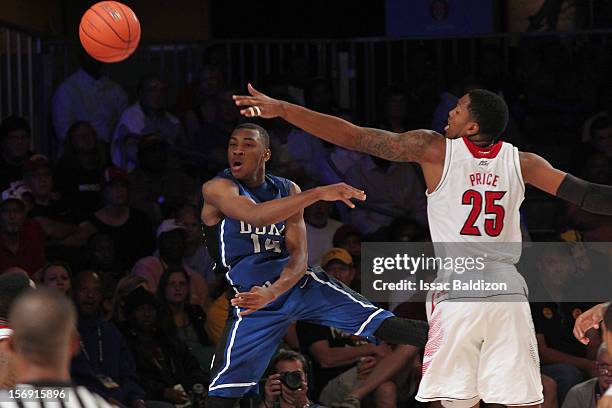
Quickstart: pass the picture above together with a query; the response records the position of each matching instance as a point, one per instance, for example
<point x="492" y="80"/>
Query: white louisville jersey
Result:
<point x="479" y="195"/>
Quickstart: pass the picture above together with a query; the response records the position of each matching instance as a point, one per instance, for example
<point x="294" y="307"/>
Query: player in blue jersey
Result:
<point x="262" y="239"/>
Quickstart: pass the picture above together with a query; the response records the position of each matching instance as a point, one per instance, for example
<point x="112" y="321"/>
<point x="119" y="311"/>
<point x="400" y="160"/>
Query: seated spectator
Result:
<point x="12" y="284"/>
<point x="604" y="109"/>
<point x="203" y="104"/>
<point x="167" y="369"/>
<point x="588" y="393"/>
<point x="196" y="254"/>
<point x="102" y="258"/>
<point x="155" y="188"/>
<point x="397" y="110"/>
<point x="128" y="227"/>
<point x="379" y="179"/>
<point x="22" y="241"/>
<point x="88" y="95"/>
<point x="79" y="171"/>
<point x="49" y="209"/>
<point x="601" y="136"/>
<point x="104" y="364"/>
<point x="148" y="115"/>
<point x="125" y="286"/>
<point x="562" y="357"/>
<point x="171" y="245"/>
<point x="183" y="319"/>
<point x="346" y="366"/>
<point x="15" y="137"/>
<point x="349" y="238"/>
<point x="592" y="227"/>
<point x="407" y="230"/>
<point x="276" y="392"/>
<point x="57" y="275"/>
<point x="320" y="230"/>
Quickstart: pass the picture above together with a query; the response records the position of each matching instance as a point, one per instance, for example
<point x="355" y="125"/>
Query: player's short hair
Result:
<point x="263" y="133"/>
<point x="287" y="355"/>
<point x="12" y="284"/>
<point x="608" y="318"/>
<point x="490" y="111"/>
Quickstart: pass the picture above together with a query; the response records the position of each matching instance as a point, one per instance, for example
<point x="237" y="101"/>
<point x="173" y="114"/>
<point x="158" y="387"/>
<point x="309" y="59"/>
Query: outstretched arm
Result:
<point x="595" y="198"/>
<point x="223" y="195"/>
<point x="295" y="240"/>
<point x="421" y="146"/>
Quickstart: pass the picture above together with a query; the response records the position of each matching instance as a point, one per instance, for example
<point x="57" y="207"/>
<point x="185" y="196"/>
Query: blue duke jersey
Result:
<point x="254" y="255"/>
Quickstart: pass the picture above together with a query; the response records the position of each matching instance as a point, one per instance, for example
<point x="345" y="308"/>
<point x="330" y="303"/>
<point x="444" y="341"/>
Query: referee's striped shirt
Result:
<point x="75" y="397"/>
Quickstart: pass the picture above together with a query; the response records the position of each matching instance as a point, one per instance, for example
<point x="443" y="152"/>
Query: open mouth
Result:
<point x="236" y="165"/>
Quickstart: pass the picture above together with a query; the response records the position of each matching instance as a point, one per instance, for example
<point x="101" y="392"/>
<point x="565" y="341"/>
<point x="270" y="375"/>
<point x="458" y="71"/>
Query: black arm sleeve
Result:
<point x="595" y="198"/>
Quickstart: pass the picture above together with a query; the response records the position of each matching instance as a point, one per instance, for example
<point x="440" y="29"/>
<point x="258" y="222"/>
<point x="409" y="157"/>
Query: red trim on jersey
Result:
<point x="479" y="152"/>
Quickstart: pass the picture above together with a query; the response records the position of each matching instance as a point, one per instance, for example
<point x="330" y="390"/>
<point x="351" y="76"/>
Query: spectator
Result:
<point x="102" y="257"/>
<point x="588" y="393"/>
<point x="49" y="210"/>
<point x="196" y="254"/>
<point x="147" y="115"/>
<point x="57" y="275"/>
<point x="128" y="227"/>
<point x="155" y="188"/>
<point x="22" y="241"/>
<point x="320" y="230"/>
<point x="562" y="357"/>
<point x="88" y="95"/>
<point x="276" y="393"/>
<point x="396" y="106"/>
<point x="335" y="354"/>
<point x="407" y="230"/>
<point x="349" y="238"/>
<point x="601" y="136"/>
<point x="125" y="286"/>
<point x="182" y="318"/>
<point x="203" y="104"/>
<point x="15" y="139"/>
<point x="171" y="245"/>
<point x="12" y="284"/>
<point x="379" y="179"/>
<point x="167" y="369"/>
<point x="42" y="345"/>
<point x="80" y="169"/>
<point x="104" y="364"/>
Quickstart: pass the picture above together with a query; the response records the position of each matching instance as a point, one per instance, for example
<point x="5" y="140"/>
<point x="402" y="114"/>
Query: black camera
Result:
<point x="291" y="379"/>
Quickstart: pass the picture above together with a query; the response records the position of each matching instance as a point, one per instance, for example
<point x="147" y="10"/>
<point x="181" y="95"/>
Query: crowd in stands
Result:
<point x="114" y="221"/>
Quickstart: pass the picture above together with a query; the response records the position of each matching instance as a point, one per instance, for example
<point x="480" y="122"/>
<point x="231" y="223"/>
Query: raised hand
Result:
<point x="342" y="192"/>
<point x="258" y="104"/>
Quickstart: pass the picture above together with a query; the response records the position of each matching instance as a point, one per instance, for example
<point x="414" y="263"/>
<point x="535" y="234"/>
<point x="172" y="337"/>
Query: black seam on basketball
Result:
<point x="127" y="20"/>
<point x="110" y="26"/>
<point x="100" y="42"/>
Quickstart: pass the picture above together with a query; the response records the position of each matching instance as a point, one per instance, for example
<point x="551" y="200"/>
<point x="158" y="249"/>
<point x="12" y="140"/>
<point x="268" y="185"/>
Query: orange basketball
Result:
<point x="109" y="31"/>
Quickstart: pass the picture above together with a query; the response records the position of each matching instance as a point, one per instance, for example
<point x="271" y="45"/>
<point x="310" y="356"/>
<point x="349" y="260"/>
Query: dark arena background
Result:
<point x="102" y="168"/>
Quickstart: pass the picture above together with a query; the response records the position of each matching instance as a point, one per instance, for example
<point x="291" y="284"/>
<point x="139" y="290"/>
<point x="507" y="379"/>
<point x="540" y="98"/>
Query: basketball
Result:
<point x="109" y="31"/>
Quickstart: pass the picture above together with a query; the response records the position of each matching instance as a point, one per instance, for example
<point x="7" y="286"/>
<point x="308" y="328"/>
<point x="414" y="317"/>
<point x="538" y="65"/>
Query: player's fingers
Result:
<point x="252" y="90"/>
<point x="347" y="202"/>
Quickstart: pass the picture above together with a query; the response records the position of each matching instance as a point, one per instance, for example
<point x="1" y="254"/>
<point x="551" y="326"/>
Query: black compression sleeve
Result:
<point x="595" y="198"/>
<point x="396" y="330"/>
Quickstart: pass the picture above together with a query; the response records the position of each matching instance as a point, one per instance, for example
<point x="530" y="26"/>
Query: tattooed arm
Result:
<point x="421" y="146"/>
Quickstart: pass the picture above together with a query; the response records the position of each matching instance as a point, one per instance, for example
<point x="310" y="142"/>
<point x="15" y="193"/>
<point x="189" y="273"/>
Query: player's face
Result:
<point x="460" y="122"/>
<point x="246" y="153"/>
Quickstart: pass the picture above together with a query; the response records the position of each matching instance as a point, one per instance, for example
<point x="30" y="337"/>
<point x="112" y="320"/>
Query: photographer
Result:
<point x="287" y="382"/>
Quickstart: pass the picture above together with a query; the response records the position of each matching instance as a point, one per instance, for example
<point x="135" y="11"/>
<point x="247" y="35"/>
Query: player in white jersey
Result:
<point x="475" y="187"/>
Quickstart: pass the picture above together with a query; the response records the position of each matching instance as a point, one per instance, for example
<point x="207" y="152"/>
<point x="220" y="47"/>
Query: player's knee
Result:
<point x="549" y="386"/>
